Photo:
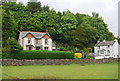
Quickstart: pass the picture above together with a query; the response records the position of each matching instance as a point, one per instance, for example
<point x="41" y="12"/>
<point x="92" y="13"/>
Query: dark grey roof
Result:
<point x="105" y="43"/>
<point x="37" y="35"/>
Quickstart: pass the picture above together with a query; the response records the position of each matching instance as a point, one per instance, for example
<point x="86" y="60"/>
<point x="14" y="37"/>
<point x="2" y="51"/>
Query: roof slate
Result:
<point x="105" y="43"/>
<point x="37" y="35"/>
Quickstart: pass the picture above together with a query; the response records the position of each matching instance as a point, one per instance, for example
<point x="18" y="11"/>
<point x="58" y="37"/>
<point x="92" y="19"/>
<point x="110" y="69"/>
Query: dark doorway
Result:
<point x="30" y="48"/>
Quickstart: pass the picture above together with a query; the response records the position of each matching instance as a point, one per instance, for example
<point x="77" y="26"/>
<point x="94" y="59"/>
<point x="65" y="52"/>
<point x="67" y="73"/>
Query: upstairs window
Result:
<point x="102" y="51"/>
<point x="108" y="46"/>
<point x="98" y="47"/>
<point x="46" y="41"/>
<point x="29" y="40"/>
<point x="108" y="51"/>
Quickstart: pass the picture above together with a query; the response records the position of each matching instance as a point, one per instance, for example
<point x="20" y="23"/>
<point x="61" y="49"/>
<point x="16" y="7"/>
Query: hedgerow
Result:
<point x="37" y="54"/>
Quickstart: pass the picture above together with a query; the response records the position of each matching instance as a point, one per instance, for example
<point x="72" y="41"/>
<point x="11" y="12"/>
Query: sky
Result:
<point x="107" y="9"/>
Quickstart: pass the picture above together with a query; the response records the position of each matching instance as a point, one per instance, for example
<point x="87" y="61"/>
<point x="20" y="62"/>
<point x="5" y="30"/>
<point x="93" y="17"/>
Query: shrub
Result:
<point x="38" y="54"/>
<point x="77" y="55"/>
<point x="87" y="50"/>
<point x="89" y="57"/>
<point x="13" y="45"/>
<point x="5" y="52"/>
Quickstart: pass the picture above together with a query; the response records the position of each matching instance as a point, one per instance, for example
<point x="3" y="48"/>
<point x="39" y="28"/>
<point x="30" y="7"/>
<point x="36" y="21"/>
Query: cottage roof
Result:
<point x="105" y="43"/>
<point x="37" y="35"/>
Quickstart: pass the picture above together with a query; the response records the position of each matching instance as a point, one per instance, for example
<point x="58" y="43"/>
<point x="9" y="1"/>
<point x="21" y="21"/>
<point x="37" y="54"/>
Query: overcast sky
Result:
<point x="107" y="9"/>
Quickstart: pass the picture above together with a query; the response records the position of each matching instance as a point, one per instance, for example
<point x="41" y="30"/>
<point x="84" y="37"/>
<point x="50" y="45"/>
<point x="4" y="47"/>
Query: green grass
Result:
<point x="73" y="71"/>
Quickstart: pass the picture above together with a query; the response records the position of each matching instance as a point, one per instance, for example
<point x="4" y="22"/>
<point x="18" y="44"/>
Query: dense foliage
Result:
<point x="68" y="30"/>
<point x="33" y="54"/>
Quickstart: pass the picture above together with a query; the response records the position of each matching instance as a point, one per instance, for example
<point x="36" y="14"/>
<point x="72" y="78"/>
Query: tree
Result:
<point x="8" y="26"/>
<point x="45" y="8"/>
<point x="103" y="32"/>
<point x="68" y="22"/>
<point x="13" y="45"/>
<point x="84" y="37"/>
<point x="34" y="7"/>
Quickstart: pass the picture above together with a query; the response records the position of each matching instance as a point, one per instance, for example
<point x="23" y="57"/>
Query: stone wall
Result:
<point x="55" y="61"/>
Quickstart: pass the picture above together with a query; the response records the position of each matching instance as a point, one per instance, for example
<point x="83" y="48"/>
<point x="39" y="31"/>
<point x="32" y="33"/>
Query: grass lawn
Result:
<point x="73" y="71"/>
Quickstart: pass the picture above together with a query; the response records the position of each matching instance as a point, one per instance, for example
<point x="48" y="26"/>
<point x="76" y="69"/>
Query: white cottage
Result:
<point x="30" y="40"/>
<point x="107" y="49"/>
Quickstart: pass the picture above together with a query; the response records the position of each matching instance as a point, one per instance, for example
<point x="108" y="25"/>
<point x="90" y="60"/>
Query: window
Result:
<point x="98" y="47"/>
<point x="46" y="41"/>
<point x="108" y="46"/>
<point x="102" y="51"/>
<point x="29" y="40"/>
<point x="46" y="48"/>
<point x="108" y="51"/>
<point x="98" y="51"/>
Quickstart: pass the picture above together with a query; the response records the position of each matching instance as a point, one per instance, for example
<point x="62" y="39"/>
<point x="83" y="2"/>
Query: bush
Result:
<point x="38" y="54"/>
<point x="5" y="52"/>
<point x="89" y="57"/>
<point x="13" y="45"/>
<point x="77" y="55"/>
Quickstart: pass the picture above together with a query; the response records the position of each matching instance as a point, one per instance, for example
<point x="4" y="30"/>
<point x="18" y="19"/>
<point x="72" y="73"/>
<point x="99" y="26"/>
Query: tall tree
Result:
<point x="103" y="32"/>
<point x="34" y="7"/>
<point x="8" y="26"/>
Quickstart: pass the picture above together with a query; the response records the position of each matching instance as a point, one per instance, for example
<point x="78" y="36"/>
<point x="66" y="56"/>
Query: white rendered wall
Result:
<point x="115" y="47"/>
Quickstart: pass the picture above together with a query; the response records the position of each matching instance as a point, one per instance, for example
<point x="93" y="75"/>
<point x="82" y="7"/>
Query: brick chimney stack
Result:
<point x="46" y="30"/>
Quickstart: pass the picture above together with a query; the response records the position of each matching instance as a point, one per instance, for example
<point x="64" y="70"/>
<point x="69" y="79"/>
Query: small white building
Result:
<point x="30" y="40"/>
<point x="107" y="49"/>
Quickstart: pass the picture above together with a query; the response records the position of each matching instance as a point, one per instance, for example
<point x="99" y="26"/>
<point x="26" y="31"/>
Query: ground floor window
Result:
<point x="46" y="48"/>
<point x="102" y="51"/>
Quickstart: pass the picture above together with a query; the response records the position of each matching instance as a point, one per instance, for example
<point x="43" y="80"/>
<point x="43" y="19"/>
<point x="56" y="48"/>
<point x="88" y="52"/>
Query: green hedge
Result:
<point x="89" y="57"/>
<point x="37" y="54"/>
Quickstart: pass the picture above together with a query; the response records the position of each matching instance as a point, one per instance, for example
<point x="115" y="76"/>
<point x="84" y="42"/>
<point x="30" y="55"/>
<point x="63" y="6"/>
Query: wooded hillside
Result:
<point x="69" y="31"/>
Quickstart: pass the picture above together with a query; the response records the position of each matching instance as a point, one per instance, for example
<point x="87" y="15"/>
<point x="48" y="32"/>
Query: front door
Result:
<point x="30" y="48"/>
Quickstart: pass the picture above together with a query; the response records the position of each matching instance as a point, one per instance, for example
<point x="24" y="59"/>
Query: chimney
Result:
<point x="21" y="28"/>
<point x="98" y="41"/>
<point x="46" y="30"/>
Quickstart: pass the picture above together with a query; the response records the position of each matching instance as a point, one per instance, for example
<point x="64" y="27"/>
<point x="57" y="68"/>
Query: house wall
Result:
<point x="49" y="44"/>
<point x="97" y="48"/>
<point x="25" y="43"/>
<point x="41" y="42"/>
<point x="115" y="49"/>
<point x="33" y="42"/>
